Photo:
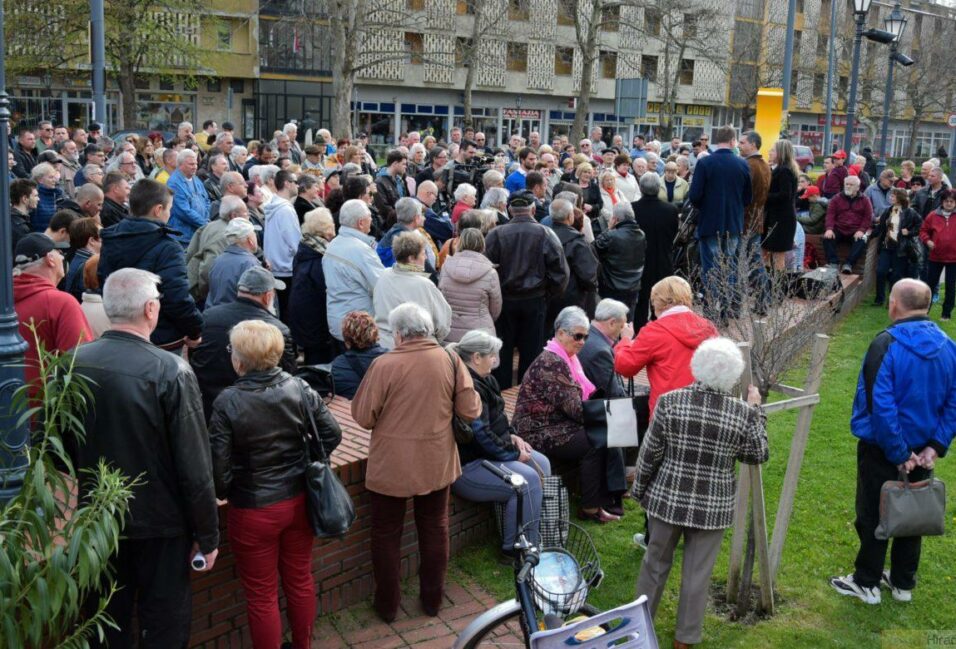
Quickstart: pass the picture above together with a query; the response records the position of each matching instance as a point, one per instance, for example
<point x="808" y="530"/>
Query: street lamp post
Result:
<point x="13" y="438"/>
<point x="895" y="24"/>
<point x="826" y="149"/>
<point x="860" y="9"/>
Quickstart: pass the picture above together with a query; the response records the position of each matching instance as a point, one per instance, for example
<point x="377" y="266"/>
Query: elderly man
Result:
<point x="408" y="218"/>
<point x="597" y="140"/>
<point x="620" y="250"/>
<point x="927" y="199"/>
<point x="126" y="164"/>
<point x="903" y="416"/>
<point x="878" y="192"/>
<point x="184" y="132"/>
<point x="169" y="157"/>
<point x="849" y="220"/>
<point x="291" y="130"/>
<point x="238" y="256"/>
<point x="582" y="263"/>
<point x="231" y="184"/>
<point x="252" y="300"/>
<point x="145" y="241"/>
<point x="438" y="227"/>
<point x="208" y="243"/>
<point x="532" y="270"/>
<point x="351" y="267"/>
<point x="190" y="200"/>
<point x="218" y="165"/>
<point x="639" y="167"/>
<point x="145" y="419"/>
<point x="659" y="221"/>
<point x="115" y="196"/>
<point x="71" y="165"/>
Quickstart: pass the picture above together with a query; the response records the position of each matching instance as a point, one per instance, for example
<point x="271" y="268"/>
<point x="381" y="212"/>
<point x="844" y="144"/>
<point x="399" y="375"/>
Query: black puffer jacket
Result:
<point x="256" y="433"/>
<point x="621" y="253"/>
<point x="492" y="431"/>
<point x="146" y="420"/>
<point x="583" y="267"/>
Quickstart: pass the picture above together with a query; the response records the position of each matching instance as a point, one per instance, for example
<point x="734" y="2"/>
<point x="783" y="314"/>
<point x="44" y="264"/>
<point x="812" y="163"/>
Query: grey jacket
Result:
<point x="224" y="275"/>
<point x="352" y="268"/>
<point x="397" y="286"/>
<point x="469" y="282"/>
<point x="207" y="244"/>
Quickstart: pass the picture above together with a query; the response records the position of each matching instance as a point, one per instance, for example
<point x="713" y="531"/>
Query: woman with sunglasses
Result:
<point x="549" y="413"/>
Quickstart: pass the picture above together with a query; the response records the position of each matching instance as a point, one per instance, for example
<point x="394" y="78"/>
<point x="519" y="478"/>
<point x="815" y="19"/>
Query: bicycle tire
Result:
<point x="500" y="628"/>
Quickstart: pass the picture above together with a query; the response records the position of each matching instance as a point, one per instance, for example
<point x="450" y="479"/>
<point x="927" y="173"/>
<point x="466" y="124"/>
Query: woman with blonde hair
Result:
<point x="593" y="204"/>
<point x="780" y="211"/>
<point x="307" y="293"/>
<point x="610" y="196"/>
<point x="673" y="188"/>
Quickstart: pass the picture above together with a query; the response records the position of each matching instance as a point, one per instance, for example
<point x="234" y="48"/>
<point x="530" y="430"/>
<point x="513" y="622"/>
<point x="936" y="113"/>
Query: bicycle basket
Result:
<point x="567" y="569"/>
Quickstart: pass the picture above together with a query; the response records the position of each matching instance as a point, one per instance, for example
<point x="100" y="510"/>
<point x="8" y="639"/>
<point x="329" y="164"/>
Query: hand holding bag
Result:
<point x="911" y="508"/>
<point x="330" y="508"/>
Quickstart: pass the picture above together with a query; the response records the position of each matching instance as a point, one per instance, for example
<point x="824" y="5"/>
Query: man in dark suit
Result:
<point x="659" y="221"/>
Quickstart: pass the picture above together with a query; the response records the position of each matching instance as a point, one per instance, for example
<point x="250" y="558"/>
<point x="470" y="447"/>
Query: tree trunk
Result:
<point x="469" y="83"/>
<point x="747" y="574"/>
<point x="346" y="32"/>
<point x="914" y="128"/>
<point x="127" y="86"/>
<point x="470" y="61"/>
<point x="579" y="129"/>
<point x="342" y="85"/>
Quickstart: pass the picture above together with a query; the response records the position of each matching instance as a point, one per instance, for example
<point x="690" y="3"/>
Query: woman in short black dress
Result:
<point x="780" y="215"/>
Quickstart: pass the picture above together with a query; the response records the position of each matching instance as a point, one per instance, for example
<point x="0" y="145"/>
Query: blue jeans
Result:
<point x="890" y="266"/>
<point x="712" y="252"/>
<point x="480" y="485"/>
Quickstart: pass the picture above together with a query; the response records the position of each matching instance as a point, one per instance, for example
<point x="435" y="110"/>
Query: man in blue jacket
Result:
<point x="721" y="190"/>
<point x="190" y="198"/>
<point x="904" y="415"/>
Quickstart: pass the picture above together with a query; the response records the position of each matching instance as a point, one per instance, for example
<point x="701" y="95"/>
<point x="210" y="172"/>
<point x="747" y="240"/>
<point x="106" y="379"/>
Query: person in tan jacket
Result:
<point x="750" y="143"/>
<point x="407" y="400"/>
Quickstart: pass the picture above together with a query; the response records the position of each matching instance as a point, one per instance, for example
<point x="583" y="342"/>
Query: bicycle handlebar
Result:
<point x="497" y="470"/>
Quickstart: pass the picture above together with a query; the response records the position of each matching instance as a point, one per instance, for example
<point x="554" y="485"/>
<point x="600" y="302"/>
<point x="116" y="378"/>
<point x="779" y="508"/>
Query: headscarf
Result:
<point x="574" y="364"/>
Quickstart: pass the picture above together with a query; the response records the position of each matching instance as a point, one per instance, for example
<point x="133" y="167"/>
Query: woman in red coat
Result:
<point x="665" y="346"/>
<point x="939" y="235"/>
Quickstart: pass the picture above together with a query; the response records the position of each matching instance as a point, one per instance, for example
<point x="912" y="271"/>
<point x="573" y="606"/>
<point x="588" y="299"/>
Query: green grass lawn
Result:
<point x="822" y="541"/>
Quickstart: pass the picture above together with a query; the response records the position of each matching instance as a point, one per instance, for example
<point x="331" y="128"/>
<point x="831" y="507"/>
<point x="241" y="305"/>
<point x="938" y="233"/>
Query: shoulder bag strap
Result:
<point x="312" y="427"/>
<point x="454" y="374"/>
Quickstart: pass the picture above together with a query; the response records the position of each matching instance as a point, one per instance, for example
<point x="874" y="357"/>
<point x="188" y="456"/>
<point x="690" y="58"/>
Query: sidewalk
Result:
<point x="359" y="627"/>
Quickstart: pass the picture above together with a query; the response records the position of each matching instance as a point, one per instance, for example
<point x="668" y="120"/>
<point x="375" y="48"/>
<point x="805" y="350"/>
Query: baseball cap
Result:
<point x="257" y="280"/>
<point x="238" y="229"/>
<point x="841" y="154"/>
<point x="812" y="190"/>
<point x="35" y="246"/>
<point x="522" y="198"/>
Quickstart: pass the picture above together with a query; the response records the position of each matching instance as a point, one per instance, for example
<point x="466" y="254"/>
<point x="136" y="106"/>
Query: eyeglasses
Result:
<point x="579" y="337"/>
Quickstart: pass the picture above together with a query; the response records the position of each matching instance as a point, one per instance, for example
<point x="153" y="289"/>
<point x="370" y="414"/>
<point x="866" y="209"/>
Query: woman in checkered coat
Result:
<point x="686" y="480"/>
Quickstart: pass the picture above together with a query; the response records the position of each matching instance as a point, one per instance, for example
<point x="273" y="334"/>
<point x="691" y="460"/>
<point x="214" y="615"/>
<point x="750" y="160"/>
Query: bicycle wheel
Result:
<point x="500" y="628"/>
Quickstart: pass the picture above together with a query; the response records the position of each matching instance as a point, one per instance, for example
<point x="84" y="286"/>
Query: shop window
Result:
<point x="518" y="57"/>
<point x="649" y="68"/>
<point x="519" y="9"/>
<point x="214" y="85"/>
<point x="563" y="61"/>
<point x="611" y="18"/>
<point x="166" y="83"/>
<point x="414" y="48"/>
<point x="690" y="26"/>
<point x="224" y="37"/>
<point x="567" y="12"/>
<point x="686" y="72"/>
<point x="238" y="85"/>
<point x="608" y="62"/>
<point x="141" y="82"/>
<point x="652" y="21"/>
<point x="801" y="6"/>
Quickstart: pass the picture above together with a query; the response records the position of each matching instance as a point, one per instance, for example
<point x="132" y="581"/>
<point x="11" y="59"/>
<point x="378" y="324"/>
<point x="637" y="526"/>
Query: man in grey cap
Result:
<point x="236" y="258"/>
<point x="532" y="269"/>
<point x="253" y="301"/>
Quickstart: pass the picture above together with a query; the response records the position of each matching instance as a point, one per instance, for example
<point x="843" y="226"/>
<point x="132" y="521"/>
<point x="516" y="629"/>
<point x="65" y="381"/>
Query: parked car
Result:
<point x="804" y="157"/>
<point x="119" y="136"/>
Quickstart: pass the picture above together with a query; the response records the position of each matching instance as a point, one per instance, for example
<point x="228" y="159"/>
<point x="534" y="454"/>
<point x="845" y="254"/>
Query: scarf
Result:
<point x="574" y="364"/>
<point x="410" y="268"/>
<point x="892" y="227"/>
<point x="317" y="243"/>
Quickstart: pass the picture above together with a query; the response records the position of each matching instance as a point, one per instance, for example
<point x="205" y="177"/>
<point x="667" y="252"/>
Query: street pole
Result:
<point x="788" y="55"/>
<point x="887" y="97"/>
<point x="831" y="65"/>
<point x="98" y="62"/>
<point x="854" y="80"/>
<point x="13" y="439"/>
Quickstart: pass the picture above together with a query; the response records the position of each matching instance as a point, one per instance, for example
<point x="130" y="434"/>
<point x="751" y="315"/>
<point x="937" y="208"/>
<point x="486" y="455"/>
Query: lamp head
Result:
<point x="895" y="23"/>
<point x="880" y="36"/>
<point x="902" y="59"/>
<point x="861" y="6"/>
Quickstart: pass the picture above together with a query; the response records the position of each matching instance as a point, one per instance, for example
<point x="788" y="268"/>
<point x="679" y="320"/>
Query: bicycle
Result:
<point x="554" y="572"/>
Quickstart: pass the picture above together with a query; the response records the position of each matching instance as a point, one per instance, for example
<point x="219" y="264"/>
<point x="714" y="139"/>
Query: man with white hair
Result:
<point x="620" y="249"/>
<point x="184" y="132"/>
<point x="597" y="140"/>
<point x="190" y="200"/>
<point x="231" y="184"/>
<point x="145" y="419"/>
<point x="438" y="226"/>
<point x="351" y="267"/>
<point x="582" y="263"/>
<point x="237" y="257"/>
<point x="849" y="220"/>
<point x="409" y="217"/>
<point x="639" y="166"/>
<point x="208" y="243"/>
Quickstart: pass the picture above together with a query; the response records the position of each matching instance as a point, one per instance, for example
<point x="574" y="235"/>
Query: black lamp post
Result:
<point x="895" y="24"/>
<point x="13" y="439"/>
<point x="860" y="9"/>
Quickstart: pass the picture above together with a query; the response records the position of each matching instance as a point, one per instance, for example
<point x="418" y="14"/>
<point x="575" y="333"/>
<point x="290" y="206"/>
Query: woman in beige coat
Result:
<point x="407" y="399"/>
<point x="469" y="282"/>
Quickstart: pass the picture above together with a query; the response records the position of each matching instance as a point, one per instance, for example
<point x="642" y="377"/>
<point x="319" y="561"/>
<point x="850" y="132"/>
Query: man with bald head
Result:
<point x="904" y="415"/>
<point x="87" y="202"/>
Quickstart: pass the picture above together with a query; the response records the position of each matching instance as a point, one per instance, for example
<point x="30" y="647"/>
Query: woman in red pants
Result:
<point x="256" y="433"/>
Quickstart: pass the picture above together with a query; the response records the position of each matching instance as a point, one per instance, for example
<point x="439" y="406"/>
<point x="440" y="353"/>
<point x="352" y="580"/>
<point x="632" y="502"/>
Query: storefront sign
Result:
<point x="836" y="120"/>
<point x="520" y="113"/>
<point x="694" y="121"/>
<point x="682" y="109"/>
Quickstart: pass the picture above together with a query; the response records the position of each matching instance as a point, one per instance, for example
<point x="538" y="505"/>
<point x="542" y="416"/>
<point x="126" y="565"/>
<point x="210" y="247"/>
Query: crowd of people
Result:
<point x="198" y="274"/>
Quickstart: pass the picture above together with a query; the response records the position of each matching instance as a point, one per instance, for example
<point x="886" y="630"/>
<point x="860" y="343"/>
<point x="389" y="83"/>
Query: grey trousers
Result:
<point x="701" y="548"/>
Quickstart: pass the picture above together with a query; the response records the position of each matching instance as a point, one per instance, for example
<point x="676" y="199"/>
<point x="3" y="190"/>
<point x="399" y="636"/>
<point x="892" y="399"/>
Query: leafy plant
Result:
<point x="55" y="581"/>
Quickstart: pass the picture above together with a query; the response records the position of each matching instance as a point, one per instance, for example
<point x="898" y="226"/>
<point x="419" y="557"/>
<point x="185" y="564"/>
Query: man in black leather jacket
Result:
<point x="621" y="252"/>
<point x="146" y="420"/>
<point x="211" y="359"/>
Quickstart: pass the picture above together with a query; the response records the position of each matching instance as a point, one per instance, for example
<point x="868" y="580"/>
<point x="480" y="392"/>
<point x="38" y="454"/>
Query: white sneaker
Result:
<point x="899" y="594"/>
<point x="640" y="541"/>
<point x="846" y="586"/>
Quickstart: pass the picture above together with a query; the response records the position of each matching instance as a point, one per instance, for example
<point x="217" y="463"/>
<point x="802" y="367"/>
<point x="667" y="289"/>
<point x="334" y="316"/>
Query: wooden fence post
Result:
<point x="743" y="500"/>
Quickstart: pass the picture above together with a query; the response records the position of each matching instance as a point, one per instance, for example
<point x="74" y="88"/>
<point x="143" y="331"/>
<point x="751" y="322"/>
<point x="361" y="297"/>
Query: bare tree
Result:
<point x="589" y="27"/>
<point x="490" y="19"/>
<point x="927" y="88"/>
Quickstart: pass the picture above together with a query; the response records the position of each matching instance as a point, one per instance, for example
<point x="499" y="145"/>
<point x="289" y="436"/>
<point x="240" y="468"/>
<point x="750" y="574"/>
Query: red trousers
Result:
<point x="269" y="541"/>
<point x="388" y="522"/>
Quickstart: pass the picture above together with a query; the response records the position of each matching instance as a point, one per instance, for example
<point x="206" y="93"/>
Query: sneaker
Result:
<point x="846" y="269"/>
<point x="640" y="541"/>
<point x="935" y="298"/>
<point x="899" y="594"/>
<point x="945" y="318"/>
<point x="846" y="586"/>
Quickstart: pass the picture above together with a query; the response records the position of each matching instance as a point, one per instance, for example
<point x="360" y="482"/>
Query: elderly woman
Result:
<point x="496" y="198"/>
<point x="256" y="434"/>
<point x="620" y="249"/>
<point x="610" y="196"/>
<point x="47" y="178"/>
<point x="407" y="400"/>
<point x="470" y="219"/>
<point x="307" y="313"/>
<point x="466" y="196"/>
<point x="360" y="336"/>
<point x="469" y="283"/>
<point x="673" y="188"/>
<point x="686" y="480"/>
<point x="407" y="281"/>
<point x="549" y="412"/>
<point x="495" y="440"/>
<point x="683" y="168"/>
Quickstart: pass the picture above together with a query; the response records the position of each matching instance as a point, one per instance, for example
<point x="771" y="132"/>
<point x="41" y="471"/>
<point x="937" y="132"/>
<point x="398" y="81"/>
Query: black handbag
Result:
<point x="461" y="428"/>
<point x="319" y="378"/>
<point x="330" y="508"/>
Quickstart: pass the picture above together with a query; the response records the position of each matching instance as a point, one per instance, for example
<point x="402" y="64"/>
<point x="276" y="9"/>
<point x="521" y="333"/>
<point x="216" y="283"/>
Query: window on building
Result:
<point x="466" y="7"/>
<point x="563" y="61"/>
<point x="747" y="37"/>
<point x="794" y="76"/>
<point x="238" y="85"/>
<point x="567" y="12"/>
<point x="800" y="6"/>
<point x="166" y="83"/>
<point x="687" y="72"/>
<point x="652" y="21"/>
<point x="462" y="47"/>
<point x="797" y="39"/>
<point x="611" y="18"/>
<point x="743" y="83"/>
<point x="750" y="9"/>
<point x="649" y="68"/>
<point x="415" y="5"/>
<point x="414" y="48"/>
<point x="224" y="36"/>
<point x="608" y="61"/>
<point x="141" y="82"/>
<point x="690" y="26"/>
<point x="214" y="85"/>
<point x="820" y="86"/>
<point x="825" y="8"/>
<point x="517" y="57"/>
<point x="519" y="9"/>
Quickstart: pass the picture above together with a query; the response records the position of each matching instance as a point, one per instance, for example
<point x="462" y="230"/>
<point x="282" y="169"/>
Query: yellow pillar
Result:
<point x="769" y="116"/>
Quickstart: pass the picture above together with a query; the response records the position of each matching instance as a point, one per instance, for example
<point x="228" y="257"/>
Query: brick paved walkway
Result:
<point x="358" y="627"/>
